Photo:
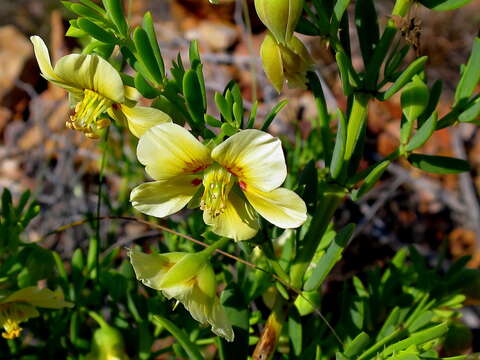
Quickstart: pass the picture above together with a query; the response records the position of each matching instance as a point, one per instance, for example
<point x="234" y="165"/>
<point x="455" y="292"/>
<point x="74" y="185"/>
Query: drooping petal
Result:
<point x="142" y="118"/>
<point x="43" y="58"/>
<point x="282" y="207"/>
<point x="91" y="72"/>
<point x="255" y="157"/>
<point x="239" y="221"/>
<point x="151" y="268"/>
<point x="220" y="323"/>
<point x="35" y="296"/>
<point x="168" y="150"/>
<point x="164" y="197"/>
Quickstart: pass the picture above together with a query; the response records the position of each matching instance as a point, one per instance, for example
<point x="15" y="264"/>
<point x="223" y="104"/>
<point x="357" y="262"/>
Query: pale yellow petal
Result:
<point x="141" y="118"/>
<point x="43" y="58"/>
<point x="164" y="197"/>
<point x="220" y="323"/>
<point x="169" y="150"/>
<point x="39" y="297"/>
<point x="151" y="268"/>
<point x="255" y="157"/>
<point x="239" y="220"/>
<point x="282" y="207"/>
<point x="91" y="72"/>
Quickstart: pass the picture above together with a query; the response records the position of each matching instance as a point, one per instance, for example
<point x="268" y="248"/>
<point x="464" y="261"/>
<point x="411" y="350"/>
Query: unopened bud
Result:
<point x="288" y="62"/>
<point x="280" y="17"/>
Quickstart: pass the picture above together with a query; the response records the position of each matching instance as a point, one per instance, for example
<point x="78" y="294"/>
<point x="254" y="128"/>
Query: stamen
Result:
<point x="87" y="117"/>
<point x="10" y="317"/>
<point x="217" y="182"/>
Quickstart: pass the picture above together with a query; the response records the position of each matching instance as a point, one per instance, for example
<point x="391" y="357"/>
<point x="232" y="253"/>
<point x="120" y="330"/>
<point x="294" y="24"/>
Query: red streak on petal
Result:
<point x="196" y="182"/>
<point x="243" y="185"/>
<point x="115" y="106"/>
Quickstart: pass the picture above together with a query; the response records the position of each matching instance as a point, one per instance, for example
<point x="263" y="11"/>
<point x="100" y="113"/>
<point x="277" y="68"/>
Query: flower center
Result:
<point x="217" y="182"/>
<point x="10" y="317"/>
<point x="87" y="117"/>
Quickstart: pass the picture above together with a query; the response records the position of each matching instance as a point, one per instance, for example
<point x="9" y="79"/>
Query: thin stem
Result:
<point x="95" y="241"/>
<point x="251" y="50"/>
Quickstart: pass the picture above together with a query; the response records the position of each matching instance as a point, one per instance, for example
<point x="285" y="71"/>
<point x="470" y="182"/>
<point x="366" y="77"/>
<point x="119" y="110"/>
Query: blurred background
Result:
<point x="439" y="214"/>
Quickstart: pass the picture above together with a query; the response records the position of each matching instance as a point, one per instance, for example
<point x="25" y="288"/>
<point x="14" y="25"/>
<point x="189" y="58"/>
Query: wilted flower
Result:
<point x="188" y="278"/>
<point x="95" y="88"/>
<point x="232" y="183"/>
<point x="21" y="306"/>
<point x="288" y="62"/>
<point x="280" y="17"/>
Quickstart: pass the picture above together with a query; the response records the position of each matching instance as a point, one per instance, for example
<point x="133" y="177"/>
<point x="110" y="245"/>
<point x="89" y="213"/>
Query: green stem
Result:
<point x="327" y="206"/>
<point x="216" y="245"/>
<point x="94" y="246"/>
<point x="401" y="7"/>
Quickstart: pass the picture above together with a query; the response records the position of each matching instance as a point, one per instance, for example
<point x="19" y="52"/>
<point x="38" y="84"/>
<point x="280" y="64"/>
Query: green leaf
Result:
<point x="146" y="55"/>
<point x="223" y="107"/>
<point x="472" y="113"/>
<point x="414" y="68"/>
<point x="93" y="6"/>
<point x="342" y="61"/>
<point x="295" y="331"/>
<point x="367" y="27"/>
<point x="272" y="114"/>
<point x="337" y="162"/>
<point x="416" y="339"/>
<point x="115" y="12"/>
<point x="181" y="336"/>
<point x="152" y="38"/>
<point x="96" y="31"/>
<point x="307" y="185"/>
<point x="236" y="308"/>
<point x="193" y="96"/>
<point x="306" y="27"/>
<point x="144" y="87"/>
<point x="423" y="134"/>
<point x="444" y="5"/>
<point x="252" y="116"/>
<point x="439" y="164"/>
<point x="327" y="261"/>
<point x="210" y="120"/>
<point x="370" y="180"/>
<point x="357" y="345"/>
<point x="394" y="60"/>
<point x="470" y="76"/>
<point x="339" y="9"/>
<point x="85" y="11"/>
<point x="435" y="93"/>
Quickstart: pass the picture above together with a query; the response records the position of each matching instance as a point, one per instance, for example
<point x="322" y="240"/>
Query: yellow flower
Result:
<point x="95" y="88"/>
<point x="188" y="278"/>
<point x="280" y="17"/>
<point x="236" y="180"/>
<point x="21" y="306"/>
<point x="288" y="62"/>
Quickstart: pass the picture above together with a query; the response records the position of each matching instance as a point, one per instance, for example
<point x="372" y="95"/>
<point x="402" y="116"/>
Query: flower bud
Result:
<point x="107" y="344"/>
<point x="285" y="63"/>
<point x="280" y="17"/>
